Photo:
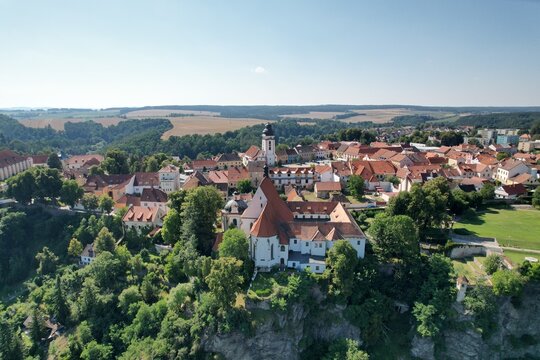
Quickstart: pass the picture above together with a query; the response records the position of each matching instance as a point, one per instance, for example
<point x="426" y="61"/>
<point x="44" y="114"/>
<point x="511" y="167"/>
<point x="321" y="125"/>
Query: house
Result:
<point x="113" y="186"/>
<point x="306" y="152"/>
<point x="301" y="177"/>
<point x="169" y="178"/>
<point x="141" y="217"/>
<point x="154" y="198"/>
<point x="295" y="234"/>
<point x="53" y="328"/>
<point x="88" y="255"/>
<point x="143" y="180"/>
<point x="203" y="165"/>
<point x="510" y="168"/>
<point x="287" y="156"/>
<point x="324" y="189"/>
<point x="510" y="191"/>
<point x="225" y="161"/>
<point x="40" y="160"/>
<point x="12" y="163"/>
<point x="78" y="161"/>
<point x="461" y="284"/>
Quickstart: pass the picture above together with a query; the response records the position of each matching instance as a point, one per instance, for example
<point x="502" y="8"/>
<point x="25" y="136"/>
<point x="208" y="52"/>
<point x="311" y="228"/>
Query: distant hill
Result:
<point x="519" y="120"/>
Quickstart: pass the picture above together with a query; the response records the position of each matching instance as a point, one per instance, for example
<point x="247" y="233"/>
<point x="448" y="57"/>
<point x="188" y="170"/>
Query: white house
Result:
<point x="509" y="169"/>
<point x="140" y="217"/>
<point x="88" y="255"/>
<point x="12" y="163"/>
<point x="169" y="178"/>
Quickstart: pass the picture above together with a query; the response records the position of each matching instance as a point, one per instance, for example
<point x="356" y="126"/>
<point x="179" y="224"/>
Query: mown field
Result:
<point x="377" y="116"/>
<point x="207" y="125"/>
<point x="512" y="228"/>
<point x="58" y="123"/>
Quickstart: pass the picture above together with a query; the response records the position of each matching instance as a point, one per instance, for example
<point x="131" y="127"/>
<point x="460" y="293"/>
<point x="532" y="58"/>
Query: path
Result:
<point x="521" y="249"/>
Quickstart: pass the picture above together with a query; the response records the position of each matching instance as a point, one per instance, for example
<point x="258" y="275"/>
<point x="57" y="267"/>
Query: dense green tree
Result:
<point x="199" y="216"/>
<point x="11" y="347"/>
<point x="395" y="237"/>
<point x="426" y="316"/>
<point x="96" y="170"/>
<point x="47" y="261"/>
<point x="244" y="186"/>
<point x="355" y="187"/>
<point x="536" y="198"/>
<point x="487" y="191"/>
<point x="502" y="155"/>
<point x="75" y="248"/>
<point x="22" y="187"/>
<point x="96" y="351"/>
<point x="171" y="230"/>
<point x="507" y="283"/>
<point x="48" y="183"/>
<point x="59" y="304"/>
<point x="105" y="203"/>
<point x="71" y="192"/>
<point x="90" y="202"/>
<point x="37" y="329"/>
<point x="341" y="262"/>
<point x="128" y="300"/>
<point x="235" y="244"/>
<point x="115" y="162"/>
<point x="482" y="302"/>
<point x="53" y="161"/>
<point x="104" y="241"/>
<point x="345" y="349"/>
<point x="451" y="138"/>
<point x="492" y="263"/>
<point x="224" y="281"/>
<point x="176" y="199"/>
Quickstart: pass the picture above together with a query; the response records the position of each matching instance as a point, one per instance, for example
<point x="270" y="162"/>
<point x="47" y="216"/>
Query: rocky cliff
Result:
<point x="282" y="335"/>
<point x="517" y="335"/>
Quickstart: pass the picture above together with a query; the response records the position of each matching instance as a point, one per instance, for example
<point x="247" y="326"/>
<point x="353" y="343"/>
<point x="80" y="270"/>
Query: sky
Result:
<point x="108" y="53"/>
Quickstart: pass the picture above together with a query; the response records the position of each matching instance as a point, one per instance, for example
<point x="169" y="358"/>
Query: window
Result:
<point x="307" y="244"/>
<point x="282" y="247"/>
<point x="293" y="264"/>
<point x="295" y="241"/>
<point x="358" y="242"/>
<point x="317" y="268"/>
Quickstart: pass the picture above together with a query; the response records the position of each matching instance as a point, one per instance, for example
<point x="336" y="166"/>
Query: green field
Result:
<point x="518" y="257"/>
<point x="513" y="228"/>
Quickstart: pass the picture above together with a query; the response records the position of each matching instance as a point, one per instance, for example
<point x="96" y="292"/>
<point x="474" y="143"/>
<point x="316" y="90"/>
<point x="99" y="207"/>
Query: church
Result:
<point x="294" y="234"/>
<point x="267" y="153"/>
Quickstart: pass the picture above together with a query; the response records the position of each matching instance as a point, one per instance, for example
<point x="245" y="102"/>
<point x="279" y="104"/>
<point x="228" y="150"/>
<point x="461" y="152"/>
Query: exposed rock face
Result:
<point x="282" y="335"/>
<point x="517" y="335"/>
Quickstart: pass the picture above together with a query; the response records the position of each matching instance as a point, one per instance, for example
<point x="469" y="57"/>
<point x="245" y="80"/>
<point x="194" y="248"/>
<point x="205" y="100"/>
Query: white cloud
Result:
<point x="259" y="70"/>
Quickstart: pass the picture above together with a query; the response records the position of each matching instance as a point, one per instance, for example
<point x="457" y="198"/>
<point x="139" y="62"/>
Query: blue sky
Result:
<point x="133" y="53"/>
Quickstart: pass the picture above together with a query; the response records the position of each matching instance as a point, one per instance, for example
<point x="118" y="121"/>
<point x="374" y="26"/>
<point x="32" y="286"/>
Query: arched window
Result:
<point x="235" y="223"/>
<point x="282" y="247"/>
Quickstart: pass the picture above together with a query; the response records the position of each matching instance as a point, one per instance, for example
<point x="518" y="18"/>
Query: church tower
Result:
<point x="269" y="144"/>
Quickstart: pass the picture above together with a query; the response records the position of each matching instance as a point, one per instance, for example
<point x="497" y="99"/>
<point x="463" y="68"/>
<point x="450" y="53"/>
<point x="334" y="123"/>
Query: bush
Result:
<point x="493" y="263"/>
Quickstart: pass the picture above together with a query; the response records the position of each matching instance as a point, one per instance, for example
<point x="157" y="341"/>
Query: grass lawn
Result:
<point x="518" y="257"/>
<point x="470" y="268"/>
<point x="514" y="228"/>
<point x="266" y="284"/>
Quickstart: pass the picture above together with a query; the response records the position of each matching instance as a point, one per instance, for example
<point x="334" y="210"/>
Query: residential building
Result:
<point x="12" y="163"/>
<point x="141" y="217"/>
<point x="169" y="178"/>
<point x="510" y="168"/>
<point x="78" y="161"/>
<point x="88" y="255"/>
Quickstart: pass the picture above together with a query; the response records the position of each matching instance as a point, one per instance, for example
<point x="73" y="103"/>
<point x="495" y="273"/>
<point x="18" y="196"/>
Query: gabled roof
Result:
<point x="227" y="157"/>
<point x="328" y="186"/>
<point x="146" y="179"/>
<point x="153" y="195"/>
<point x="252" y="152"/>
<point x="516" y="189"/>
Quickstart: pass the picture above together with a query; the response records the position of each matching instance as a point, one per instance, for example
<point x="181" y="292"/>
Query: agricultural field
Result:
<point x="512" y="228"/>
<point x="152" y="113"/>
<point x="377" y="116"/>
<point x="207" y="125"/>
